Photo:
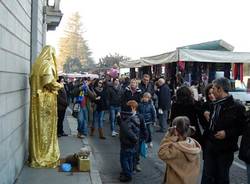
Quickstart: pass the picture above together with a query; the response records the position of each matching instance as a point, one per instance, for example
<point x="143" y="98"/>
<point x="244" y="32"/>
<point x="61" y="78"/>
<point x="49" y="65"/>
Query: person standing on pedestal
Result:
<point x="43" y="141"/>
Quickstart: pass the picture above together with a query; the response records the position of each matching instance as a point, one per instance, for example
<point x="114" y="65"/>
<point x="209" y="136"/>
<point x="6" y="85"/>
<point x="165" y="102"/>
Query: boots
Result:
<point x="101" y="136"/>
<point x="92" y="131"/>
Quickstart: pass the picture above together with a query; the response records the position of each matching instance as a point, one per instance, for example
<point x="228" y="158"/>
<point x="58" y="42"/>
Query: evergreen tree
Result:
<point x="72" y="45"/>
<point x="72" y="65"/>
<point x="109" y="60"/>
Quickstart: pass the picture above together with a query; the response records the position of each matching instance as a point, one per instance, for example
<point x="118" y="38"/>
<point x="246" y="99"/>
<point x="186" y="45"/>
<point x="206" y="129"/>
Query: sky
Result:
<point x="140" y="28"/>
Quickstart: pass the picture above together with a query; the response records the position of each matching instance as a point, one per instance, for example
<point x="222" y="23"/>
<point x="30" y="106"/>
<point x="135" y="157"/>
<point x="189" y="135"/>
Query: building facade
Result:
<point x="23" y="26"/>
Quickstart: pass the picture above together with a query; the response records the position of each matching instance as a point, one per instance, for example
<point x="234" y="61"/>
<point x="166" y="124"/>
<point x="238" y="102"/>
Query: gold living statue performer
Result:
<point x="43" y="142"/>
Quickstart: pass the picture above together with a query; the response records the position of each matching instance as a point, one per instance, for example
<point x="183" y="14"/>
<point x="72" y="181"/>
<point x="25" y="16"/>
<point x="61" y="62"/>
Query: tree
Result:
<point x="109" y="60"/>
<point x="72" y="65"/>
<point x="72" y="44"/>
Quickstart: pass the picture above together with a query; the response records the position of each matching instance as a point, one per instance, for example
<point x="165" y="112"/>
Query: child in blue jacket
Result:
<point x="147" y="110"/>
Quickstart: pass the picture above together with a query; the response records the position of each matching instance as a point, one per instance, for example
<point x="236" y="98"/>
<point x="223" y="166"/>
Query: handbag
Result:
<point x="144" y="149"/>
<point x="76" y="110"/>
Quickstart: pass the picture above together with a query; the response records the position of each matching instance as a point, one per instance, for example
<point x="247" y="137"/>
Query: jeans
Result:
<point x="98" y="117"/>
<point x="113" y="111"/>
<point x="126" y="160"/>
<point x="216" y="165"/>
<point x="163" y="120"/>
<point x="248" y="173"/>
<point x="149" y="131"/>
<point x="82" y="121"/>
<point x="136" y="159"/>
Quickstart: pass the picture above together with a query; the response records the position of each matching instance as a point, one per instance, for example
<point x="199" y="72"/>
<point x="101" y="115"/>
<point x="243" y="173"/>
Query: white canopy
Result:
<point x="131" y="64"/>
<point x="190" y="55"/>
<point x="211" y="56"/>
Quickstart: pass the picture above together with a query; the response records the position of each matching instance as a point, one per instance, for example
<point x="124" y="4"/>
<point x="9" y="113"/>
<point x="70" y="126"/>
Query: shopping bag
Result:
<point x="144" y="149"/>
<point x="80" y="97"/>
<point x="76" y="110"/>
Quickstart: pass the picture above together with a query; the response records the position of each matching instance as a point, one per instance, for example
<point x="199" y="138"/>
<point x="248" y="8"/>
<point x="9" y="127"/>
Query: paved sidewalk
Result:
<point x="68" y="145"/>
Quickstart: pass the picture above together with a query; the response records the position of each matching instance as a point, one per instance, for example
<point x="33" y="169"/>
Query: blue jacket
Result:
<point x="147" y="110"/>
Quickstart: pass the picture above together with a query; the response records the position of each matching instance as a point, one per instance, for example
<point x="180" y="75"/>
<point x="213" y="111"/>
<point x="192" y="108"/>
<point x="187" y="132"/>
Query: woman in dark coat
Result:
<point x="207" y="107"/>
<point x="101" y="105"/>
<point x="132" y="92"/>
<point x="185" y="105"/>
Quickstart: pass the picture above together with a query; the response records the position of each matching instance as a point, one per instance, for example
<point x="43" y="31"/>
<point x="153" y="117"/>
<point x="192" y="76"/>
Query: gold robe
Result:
<point x="43" y="141"/>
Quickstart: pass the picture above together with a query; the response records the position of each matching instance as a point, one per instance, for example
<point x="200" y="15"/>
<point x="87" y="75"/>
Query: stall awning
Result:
<point x="190" y="55"/>
<point x="211" y="56"/>
<point x="219" y="45"/>
<point x="131" y="64"/>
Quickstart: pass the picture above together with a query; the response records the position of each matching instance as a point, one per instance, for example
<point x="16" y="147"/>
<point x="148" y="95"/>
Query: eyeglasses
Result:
<point x="100" y="83"/>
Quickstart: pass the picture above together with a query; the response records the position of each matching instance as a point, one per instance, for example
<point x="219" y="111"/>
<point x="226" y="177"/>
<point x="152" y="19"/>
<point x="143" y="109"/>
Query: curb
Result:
<point x="94" y="172"/>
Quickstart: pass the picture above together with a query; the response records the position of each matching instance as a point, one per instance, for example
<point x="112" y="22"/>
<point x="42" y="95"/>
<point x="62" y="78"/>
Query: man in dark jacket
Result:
<point x="244" y="153"/>
<point x="146" y="85"/>
<point x="164" y="104"/>
<point x="227" y="120"/>
<point x="61" y="108"/>
<point x="114" y="97"/>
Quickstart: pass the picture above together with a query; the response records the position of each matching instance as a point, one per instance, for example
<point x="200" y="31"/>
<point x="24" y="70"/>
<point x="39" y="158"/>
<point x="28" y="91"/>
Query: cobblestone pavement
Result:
<point x="106" y="153"/>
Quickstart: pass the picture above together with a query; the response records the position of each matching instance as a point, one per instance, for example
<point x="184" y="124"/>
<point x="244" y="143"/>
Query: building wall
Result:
<point x="15" y="64"/>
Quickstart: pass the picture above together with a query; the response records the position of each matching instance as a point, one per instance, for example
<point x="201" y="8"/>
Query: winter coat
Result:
<point x="231" y="118"/>
<point x="182" y="159"/>
<point x="244" y="153"/>
<point x="128" y="95"/>
<point x="149" y="88"/>
<point x="129" y="130"/>
<point x="101" y="104"/>
<point x="142" y="127"/>
<point x="164" y="97"/>
<point x="147" y="110"/>
<point x="206" y="106"/>
<point x="62" y="100"/>
<point x="114" y="96"/>
<point x="189" y="110"/>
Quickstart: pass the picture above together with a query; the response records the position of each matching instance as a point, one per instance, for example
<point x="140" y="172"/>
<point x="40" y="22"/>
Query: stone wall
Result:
<point x="15" y="66"/>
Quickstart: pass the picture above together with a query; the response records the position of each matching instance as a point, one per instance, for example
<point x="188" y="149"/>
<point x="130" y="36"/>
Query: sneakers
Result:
<point x="63" y="134"/>
<point x="150" y="145"/>
<point x="114" y="133"/>
<point x="138" y="168"/>
<point x="124" y="178"/>
<point x="80" y="136"/>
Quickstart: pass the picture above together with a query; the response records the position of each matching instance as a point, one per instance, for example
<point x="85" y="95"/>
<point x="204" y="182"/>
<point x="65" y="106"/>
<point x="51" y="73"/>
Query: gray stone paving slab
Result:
<point x="68" y="145"/>
<point x="51" y="176"/>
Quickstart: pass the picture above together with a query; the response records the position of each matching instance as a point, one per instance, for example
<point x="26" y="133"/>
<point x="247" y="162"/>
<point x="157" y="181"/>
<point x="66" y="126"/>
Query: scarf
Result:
<point x="216" y="112"/>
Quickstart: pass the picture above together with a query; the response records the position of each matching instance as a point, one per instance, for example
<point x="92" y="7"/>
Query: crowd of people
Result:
<point x="193" y="125"/>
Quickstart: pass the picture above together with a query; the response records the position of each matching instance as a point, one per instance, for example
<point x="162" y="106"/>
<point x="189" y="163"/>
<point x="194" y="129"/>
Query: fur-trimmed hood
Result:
<point x="190" y="147"/>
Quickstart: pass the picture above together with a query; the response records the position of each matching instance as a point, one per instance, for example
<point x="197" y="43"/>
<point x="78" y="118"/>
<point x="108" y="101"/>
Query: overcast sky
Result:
<point x="139" y="28"/>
